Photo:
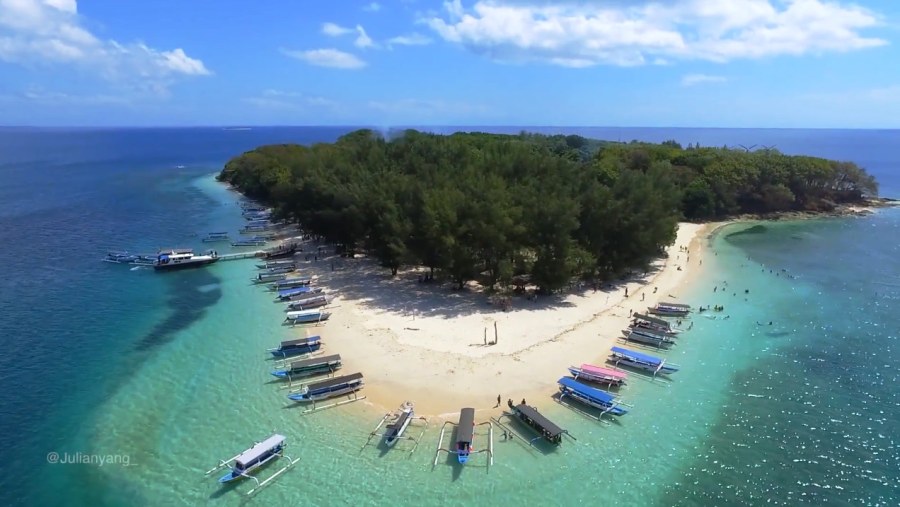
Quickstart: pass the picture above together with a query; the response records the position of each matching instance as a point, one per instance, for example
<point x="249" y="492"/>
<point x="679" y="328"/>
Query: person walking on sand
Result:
<point x="498" y="401"/>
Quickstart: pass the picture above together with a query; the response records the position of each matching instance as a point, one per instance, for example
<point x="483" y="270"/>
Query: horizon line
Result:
<point x="412" y="126"/>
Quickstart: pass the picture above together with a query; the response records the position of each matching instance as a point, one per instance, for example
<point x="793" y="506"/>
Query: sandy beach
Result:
<point x="433" y="345"/>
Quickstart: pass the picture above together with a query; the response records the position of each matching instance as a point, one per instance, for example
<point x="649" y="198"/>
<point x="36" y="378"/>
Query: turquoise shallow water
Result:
<point x="171" y="370"/>
<point x="205" y="395"/>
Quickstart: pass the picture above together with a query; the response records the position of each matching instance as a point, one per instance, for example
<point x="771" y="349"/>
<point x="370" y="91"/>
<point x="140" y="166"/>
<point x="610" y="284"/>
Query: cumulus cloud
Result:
<point x="335" y="30"/>
<point x="328" y="57"/>
<point x="372" y="7"/>
<point x="695" y="79"/>
<point x="413" y="39"/>
<point x="362" y="38"/>
<point x="51" y="32"/>
<point x="581" y="34"/>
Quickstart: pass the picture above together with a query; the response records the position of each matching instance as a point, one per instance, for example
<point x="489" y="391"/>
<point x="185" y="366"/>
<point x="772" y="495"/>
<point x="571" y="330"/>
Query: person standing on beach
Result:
<point x="498" y="401"/>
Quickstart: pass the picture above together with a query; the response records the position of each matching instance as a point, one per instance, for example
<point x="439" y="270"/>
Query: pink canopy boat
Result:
<point x="599" y="374"/>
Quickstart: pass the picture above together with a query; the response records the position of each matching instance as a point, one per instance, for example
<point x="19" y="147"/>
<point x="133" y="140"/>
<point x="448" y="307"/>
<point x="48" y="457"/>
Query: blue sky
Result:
<point x="716" y="63"/>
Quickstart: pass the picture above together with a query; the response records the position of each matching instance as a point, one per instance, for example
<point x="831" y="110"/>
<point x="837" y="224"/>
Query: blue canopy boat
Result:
<point x="298" y="293"/>
<point x="590" y="396"/>
<point x="641" y="361"/>
<point x="309" y="367"/>
<point x="330" y="388"/>
<point x="465" y="434"/>
<point x="297" y="347"/>
<point x="255" y="457"/>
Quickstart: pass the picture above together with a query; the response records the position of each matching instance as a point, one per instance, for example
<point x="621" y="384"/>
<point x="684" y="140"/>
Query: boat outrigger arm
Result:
<point x="381" y="435"/>
<point x="259" y="484"/>
<point x="489" y="450"/>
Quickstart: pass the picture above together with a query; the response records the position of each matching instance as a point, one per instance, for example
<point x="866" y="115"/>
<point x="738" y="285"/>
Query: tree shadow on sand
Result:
<point x="373" y="287"/>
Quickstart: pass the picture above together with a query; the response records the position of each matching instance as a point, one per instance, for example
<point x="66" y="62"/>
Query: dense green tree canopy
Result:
<point x="490" y="207"/>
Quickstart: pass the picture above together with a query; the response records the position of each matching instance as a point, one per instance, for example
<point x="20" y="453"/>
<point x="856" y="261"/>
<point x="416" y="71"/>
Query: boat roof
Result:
<point x="303" y="313"/>
<point x="301" y="341"/>
<point x="292" y="291"/>
<point x="586" y="390"/>
<point x="316" y="361"/>
<point x="637" y="355"/>
<point x="336" y="381"/>
<point x="259" y="449"/>
<point x="401" y="419"/>
<point x="673" y="305"/>
<point x="652" y="320"/>
<point x="540" y="420"/>
<point x="466" y="429"/>
<point x="608" y="372"/>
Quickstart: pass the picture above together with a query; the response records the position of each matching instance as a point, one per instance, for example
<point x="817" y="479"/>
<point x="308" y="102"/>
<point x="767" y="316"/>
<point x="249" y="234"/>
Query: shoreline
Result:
<point x="426" y="343"/>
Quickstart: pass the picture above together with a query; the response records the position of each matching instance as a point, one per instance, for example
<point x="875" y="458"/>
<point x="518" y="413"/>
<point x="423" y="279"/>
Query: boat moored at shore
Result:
<point x="670" y="309"/>
<point x="641" y="361"/>
<point x="599" y="375"/>
<point x="330" y="388"/>
<point x="590" y="396"/>
<point x="289" y="348"/>
<point x="310" y="367"/>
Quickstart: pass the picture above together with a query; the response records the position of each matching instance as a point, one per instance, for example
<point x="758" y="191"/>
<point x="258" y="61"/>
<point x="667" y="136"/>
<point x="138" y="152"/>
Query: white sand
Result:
<point x="426" y="342"/>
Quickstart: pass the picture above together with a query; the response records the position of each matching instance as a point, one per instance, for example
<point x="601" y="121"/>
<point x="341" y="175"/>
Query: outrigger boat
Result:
<point x="641" y="361"/>
<point x="653" y="324"/>
<point x="330" y="388"/>
<point x="122" y="257"/>
<point x="249" y="242"/>
<point x="298" y="292"/>
<point x="290" y="283"/>
<point x="394" y="431"/>
<point x="253" y="459"/>
<point x="307" y="316"/>
<point x="310" y="367"/>
<point x="670" y="309"/>
<point x="648" y="338"/>
<point x="538" y="422"/>
<point x="307" y="303"/>
<point x="599" y="375"/>
<point x="465" y="434"/>
<point x="465" y="437"/>
<point x="590" y="396"/>
<point x="269" y="277"/>
<point x="297" y="347"/>
<point x="275" y="264"/>
<point x="214" y="237"/>
<point x="289" y="268"/>
<point x="286" y="250"/>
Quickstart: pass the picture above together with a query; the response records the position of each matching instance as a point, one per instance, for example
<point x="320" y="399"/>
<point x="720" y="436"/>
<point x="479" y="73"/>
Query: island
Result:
<point x="472" y="265"/>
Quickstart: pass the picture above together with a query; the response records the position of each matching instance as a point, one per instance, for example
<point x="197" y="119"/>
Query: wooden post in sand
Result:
<point x="495" y="332"/>
<point x="485" y="336"/>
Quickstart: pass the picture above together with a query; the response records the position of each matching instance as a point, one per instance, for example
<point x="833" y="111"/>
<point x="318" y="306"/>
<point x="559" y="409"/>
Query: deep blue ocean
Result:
<point x="810" y="417"/>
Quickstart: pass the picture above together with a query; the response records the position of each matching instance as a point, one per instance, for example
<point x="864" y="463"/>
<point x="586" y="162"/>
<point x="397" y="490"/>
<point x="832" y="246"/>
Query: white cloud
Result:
<point x="327" y="58"/>
<point x="335" y="30"/>
<point x="413" y="39"/>
<point x="47" y="32"/>
<point x="372" y="7"/>
<point x="420" y="108"/>
<point x="582" y="34"/>
<point x="278" y="99"/>
<point x="362" y="39"/>
<point x="695" y="79"/>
